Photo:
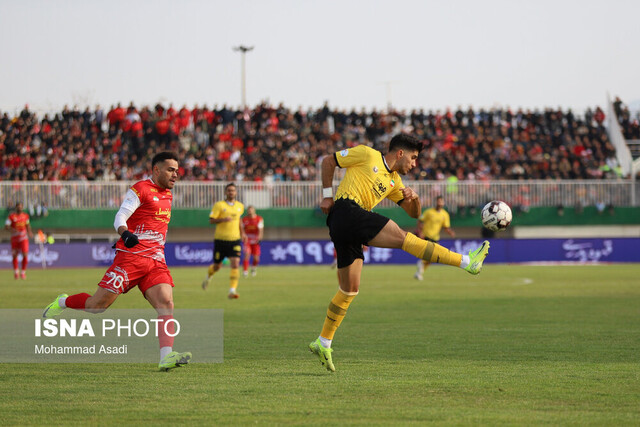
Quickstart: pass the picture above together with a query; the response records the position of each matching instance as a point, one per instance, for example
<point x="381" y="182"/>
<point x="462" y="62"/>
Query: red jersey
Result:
<point x="150" y="219"/>
<point x="252" y="227"/>
<point x="18" y="223"/>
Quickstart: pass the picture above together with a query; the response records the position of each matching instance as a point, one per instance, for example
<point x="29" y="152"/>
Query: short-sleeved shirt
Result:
<point x="368" y="179"/>
<point x="229" y="230"/>
<point x="151" y="207"/>
<point x="432" y="222"/>
<point x="18" y="223"/>
<point x="252" y="227"/>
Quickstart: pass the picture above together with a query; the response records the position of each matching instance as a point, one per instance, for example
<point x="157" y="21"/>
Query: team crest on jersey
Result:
<point x="344" y="153"/>
<point x="375" y="169"/>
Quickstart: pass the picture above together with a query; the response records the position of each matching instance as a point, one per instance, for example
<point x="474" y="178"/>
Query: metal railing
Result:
<point x="101" y="195"/>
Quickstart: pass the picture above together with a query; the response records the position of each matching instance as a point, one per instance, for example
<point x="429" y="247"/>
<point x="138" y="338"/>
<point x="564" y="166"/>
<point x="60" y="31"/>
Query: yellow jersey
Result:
<point x="368" y="179"/>
<point x="432" y="222"/>
<point x="229" y="230"/>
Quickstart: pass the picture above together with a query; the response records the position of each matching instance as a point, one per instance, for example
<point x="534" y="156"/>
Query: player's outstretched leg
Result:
<point x="324" y="354"/>
<point x="476" y="258"/>
<point x="54" y="309"/>
<point x="174" y="360"/>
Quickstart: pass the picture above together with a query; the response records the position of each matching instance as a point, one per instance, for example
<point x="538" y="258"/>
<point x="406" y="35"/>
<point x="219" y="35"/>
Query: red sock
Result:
<point x="255" y="262"/>
<point x="245" y="264"/>
<point x="25" y="261"/>
<point x="165" y="339"/>
<point x="77" y="301"/>
<point x="15" y="262"/>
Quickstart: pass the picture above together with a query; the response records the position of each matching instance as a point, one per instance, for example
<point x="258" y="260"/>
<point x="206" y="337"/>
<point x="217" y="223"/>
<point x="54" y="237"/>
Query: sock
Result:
<point x="15" y="264"/>
<point x="165" y="339"/>
<point x="245" y="265"/>
<point x="25" y="261"/>
<point x="465" y="261"/>
<point x="425" y="265"/>
<point x="164" y="351"/>
<point x="255" y="263"/>
<point x="76" y="301"/>
<point x="233" y="279"/>
<point x="325" y="342"/>
<point x="430" y="251"/>
<point x="336" y="312"/>
<point x="211" y="271"/>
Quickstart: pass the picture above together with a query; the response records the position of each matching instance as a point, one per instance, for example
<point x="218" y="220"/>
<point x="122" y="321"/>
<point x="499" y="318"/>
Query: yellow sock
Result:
<point x="336" y="312"/>
<point x="233" y="278"/>
<point x="429" y="251"/>
<point x="211" y="271"/>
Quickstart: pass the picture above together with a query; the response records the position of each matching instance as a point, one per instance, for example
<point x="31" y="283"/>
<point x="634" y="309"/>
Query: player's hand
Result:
<point x="326" y="204"/>
<point x="409" y="194"/>
<point x="129" y="239"/>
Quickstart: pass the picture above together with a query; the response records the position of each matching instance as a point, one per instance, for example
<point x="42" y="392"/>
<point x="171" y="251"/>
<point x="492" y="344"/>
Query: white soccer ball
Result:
<point x="496" y="215"/>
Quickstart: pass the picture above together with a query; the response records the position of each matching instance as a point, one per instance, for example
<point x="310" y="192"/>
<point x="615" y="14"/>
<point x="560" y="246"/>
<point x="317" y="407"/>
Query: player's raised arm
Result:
<point x="411" y="202"/>
<point x="328" y="169"/>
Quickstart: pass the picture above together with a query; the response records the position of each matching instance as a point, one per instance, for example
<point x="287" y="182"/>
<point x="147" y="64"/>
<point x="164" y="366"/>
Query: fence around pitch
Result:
<point x="101" y="195"/>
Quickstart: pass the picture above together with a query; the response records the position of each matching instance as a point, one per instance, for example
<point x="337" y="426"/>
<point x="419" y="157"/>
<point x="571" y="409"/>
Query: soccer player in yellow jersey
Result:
<point x="430" y="223"/>
<point x="228" y="237"/>
<point x="370" y="177"/>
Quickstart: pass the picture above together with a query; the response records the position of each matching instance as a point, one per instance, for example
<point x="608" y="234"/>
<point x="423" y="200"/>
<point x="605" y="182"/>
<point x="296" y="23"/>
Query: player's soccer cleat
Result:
<point x="253" y="273"/>
<point x="54" y="308"/>
<point x="23" y="275"/>
<point x="233" y="295"/>
<point x="476" y="258"/>
<point x="324" y="354"/>
<point x="245" y="273"/>
<point x="418" y="276"/>
<point x="206" y="282"/>
<point x="16" y="275"/>
<point x="174" y="360"/>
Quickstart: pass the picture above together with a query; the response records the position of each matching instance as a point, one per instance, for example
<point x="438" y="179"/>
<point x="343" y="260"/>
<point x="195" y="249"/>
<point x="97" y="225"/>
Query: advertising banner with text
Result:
<point x="315" y="252"/>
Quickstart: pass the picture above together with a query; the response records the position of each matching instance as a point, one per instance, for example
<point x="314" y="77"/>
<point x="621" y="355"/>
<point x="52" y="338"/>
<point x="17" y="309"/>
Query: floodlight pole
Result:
<point x="243" y="50"/>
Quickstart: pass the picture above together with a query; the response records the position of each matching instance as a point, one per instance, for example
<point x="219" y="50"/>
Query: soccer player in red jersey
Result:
<point x="253" y="229"/>
<point x="18" y="223"/>
<point x="142" y="223"/>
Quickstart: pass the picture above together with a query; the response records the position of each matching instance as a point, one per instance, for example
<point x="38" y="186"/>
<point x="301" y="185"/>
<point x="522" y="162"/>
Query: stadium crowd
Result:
<point x="276" y="143"/>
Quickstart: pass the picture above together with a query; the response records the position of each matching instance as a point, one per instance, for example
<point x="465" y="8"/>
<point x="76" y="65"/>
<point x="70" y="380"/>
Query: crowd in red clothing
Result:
<point x="276" y="143"/>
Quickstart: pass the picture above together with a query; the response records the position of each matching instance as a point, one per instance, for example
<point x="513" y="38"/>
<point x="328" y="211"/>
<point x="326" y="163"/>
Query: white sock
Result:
<point x="325" y="342"/>
<point x="465" y="261"/>
<point x="62" y="302"/>
<point x="232" y="291"/>
<point x="164" y="351"/>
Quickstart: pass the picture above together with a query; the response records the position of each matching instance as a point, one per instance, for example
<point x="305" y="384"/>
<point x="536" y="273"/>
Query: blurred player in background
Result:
<point x="253" y="225"/>
<point x="430" y="223"/>
<point x="371" y="177"/>
<point x="18" y="224"/>
<point x="227" y="240"/>
<point x="142" y="223"/>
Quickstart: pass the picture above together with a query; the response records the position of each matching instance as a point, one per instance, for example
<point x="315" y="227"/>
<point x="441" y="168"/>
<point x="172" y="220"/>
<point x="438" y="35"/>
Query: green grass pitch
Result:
<point x="514" y="345"/>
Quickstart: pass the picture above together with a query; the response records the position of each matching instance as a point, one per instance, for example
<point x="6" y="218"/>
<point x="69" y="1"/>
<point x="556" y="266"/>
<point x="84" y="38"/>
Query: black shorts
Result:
<point x="350" y="227"/>
<point x="226" y="249"/>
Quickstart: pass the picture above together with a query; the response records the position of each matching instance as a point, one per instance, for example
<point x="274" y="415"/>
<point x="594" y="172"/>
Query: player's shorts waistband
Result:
<point x="344" y="201"/>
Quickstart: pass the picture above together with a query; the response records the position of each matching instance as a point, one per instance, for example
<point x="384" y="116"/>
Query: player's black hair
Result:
<point x="405" y="142"/>
<point x="161" y="157"/>
<point x="231" y="184"/>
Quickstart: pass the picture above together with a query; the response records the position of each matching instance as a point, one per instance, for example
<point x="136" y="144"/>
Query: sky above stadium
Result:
<point x="412" y="53"/>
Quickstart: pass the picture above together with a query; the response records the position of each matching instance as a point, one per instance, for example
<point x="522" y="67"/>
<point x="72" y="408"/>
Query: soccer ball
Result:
<point x="496" y="215"/>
